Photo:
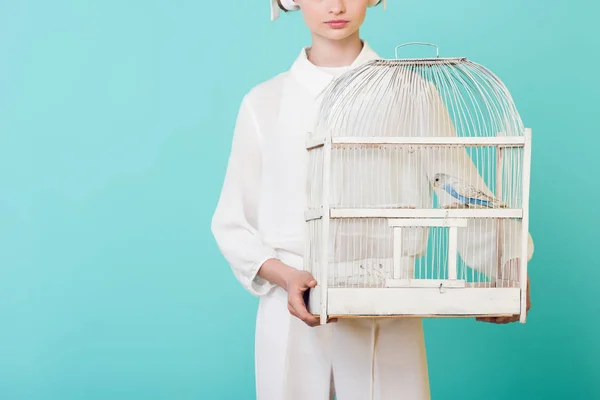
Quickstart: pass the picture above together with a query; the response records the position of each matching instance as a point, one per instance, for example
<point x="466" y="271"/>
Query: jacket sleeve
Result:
<point x="234" y="222"/>
<point x="478" y="242"/>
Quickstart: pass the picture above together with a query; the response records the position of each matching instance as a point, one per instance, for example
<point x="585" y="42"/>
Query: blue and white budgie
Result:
<point x="465" y="194"/>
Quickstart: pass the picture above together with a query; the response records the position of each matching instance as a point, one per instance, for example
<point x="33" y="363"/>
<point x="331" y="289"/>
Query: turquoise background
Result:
<point x="115" y="124"/>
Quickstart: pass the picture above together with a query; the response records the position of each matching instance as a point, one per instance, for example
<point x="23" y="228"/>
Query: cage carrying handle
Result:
<point x="437" y="50"/>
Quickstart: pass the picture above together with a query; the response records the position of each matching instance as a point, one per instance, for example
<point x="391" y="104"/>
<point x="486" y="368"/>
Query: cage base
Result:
<point x="417" y="302"/>
<point x="418" y="316"/>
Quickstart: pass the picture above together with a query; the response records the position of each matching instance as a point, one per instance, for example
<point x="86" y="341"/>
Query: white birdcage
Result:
<point x="417" y="193"/>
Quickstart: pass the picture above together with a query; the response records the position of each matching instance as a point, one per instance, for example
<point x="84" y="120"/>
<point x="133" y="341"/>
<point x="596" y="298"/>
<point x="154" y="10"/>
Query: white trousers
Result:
<point x="379" y="359"/>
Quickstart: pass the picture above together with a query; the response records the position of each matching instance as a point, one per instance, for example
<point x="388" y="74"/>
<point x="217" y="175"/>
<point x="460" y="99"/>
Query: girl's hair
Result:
<point x="284" y="10"/>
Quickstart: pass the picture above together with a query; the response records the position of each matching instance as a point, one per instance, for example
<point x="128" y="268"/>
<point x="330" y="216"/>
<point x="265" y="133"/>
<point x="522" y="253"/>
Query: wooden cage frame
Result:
<point x="421" y="297"/>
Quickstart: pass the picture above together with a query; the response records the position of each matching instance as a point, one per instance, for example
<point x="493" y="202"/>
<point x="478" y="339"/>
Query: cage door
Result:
<point x="401" y="278"/>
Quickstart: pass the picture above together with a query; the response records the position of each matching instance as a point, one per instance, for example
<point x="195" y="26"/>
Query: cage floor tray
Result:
<point x="417" y="302"/>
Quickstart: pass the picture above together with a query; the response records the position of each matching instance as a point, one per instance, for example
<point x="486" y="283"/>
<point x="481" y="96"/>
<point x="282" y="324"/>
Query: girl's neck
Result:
<point x="334" y="53"/>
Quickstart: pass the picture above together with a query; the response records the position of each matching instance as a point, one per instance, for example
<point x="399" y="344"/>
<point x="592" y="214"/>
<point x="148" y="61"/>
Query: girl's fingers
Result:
<point x="498" y="320"/>
<point x="297" y="303"/>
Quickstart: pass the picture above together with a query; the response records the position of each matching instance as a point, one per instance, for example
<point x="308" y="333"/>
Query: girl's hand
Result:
<point x="296" y="284"/>
<point x="514" y="318"/>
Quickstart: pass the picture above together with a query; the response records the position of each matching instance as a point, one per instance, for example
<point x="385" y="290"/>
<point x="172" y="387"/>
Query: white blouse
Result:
<point x="260" y="212"/>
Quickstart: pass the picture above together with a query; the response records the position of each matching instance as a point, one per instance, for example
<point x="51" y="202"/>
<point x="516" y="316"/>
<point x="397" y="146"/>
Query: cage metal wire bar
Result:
<point x="416" y="139"/>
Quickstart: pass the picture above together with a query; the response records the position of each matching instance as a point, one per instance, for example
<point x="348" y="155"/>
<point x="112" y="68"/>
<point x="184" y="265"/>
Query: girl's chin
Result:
<point x="336" y="34"/>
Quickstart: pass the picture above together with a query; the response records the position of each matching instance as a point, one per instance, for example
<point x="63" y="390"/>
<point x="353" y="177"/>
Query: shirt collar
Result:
<point x="314" y="79"/>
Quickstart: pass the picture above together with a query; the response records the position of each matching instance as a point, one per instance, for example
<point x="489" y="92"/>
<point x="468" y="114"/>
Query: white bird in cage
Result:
<point x="467" y="195"/>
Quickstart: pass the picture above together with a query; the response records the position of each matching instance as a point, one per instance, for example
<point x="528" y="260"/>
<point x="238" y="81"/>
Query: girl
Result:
<point x="259" y="226"/>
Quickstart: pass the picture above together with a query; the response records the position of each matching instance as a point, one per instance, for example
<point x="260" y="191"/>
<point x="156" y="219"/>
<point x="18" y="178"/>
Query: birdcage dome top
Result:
<point x="418" y="97"/>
